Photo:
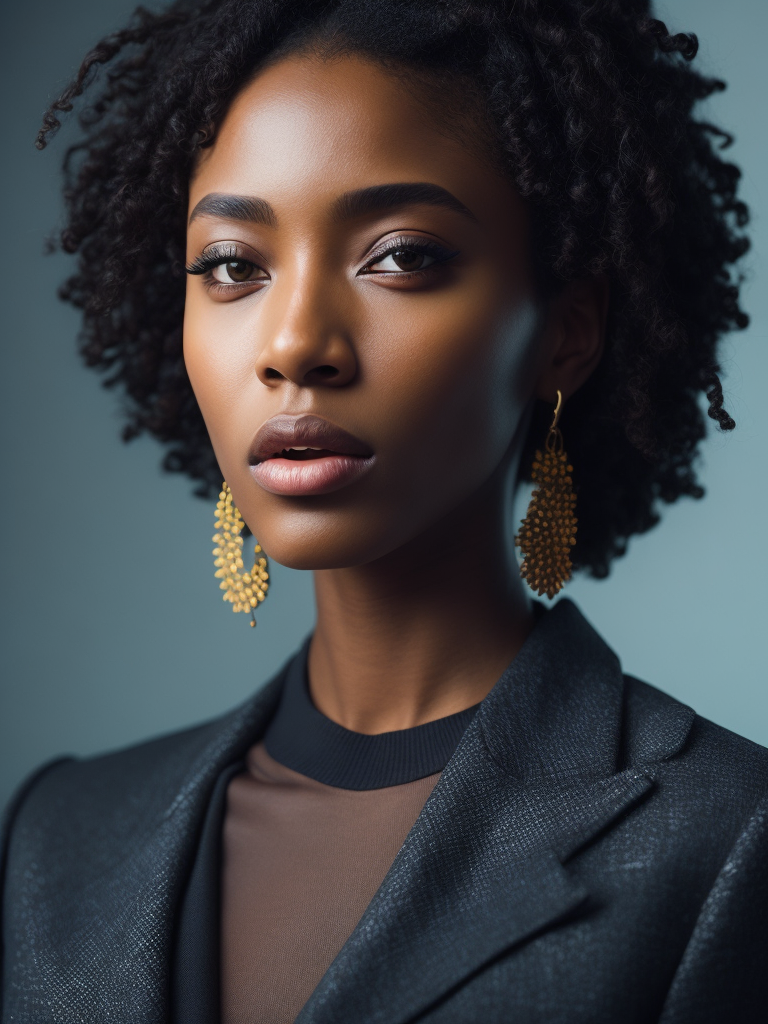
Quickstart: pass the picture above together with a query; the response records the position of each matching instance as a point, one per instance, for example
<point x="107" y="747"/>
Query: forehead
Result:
<point x="306" y="130"/>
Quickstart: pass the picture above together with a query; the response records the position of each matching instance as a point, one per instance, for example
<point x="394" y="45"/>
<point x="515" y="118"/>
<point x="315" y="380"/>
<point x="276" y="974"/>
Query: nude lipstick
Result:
<point x="306" y="455"/>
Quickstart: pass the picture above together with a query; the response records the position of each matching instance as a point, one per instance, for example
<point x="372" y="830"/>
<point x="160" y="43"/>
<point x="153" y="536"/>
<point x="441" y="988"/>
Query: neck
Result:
<point x="424" y="632"/>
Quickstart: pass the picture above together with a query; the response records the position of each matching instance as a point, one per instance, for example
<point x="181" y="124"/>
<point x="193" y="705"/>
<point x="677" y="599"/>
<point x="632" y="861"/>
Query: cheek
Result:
<point x="219" y="357"/>
<point x="457" y="378"/>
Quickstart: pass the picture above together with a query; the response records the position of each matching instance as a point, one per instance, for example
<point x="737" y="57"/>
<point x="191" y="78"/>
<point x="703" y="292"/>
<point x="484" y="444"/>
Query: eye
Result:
<point x="225" y="271"/>
<point x="408" y="258"/>
<point x="404" y="260"/>
<point x="236" y="272"/>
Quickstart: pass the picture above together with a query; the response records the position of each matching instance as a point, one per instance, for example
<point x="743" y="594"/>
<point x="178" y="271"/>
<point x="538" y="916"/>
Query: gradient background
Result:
<point x="112" y="624"/>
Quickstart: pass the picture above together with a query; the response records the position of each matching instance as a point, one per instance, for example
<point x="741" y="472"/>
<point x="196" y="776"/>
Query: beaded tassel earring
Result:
<point x="243" y="590"/>
<point x="547" y="533"/>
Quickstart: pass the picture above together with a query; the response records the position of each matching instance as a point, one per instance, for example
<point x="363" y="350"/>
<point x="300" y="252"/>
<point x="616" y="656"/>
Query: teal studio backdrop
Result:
<point x="112" y="625"/>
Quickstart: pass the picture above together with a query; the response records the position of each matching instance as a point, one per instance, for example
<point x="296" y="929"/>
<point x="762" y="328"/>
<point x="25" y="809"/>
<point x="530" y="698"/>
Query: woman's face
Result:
<point x="364" y="336"/>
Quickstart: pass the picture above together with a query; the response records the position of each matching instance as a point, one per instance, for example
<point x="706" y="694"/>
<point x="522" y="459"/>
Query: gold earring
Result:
<point x="243" y="589"/>
<point x="547" y="533"/>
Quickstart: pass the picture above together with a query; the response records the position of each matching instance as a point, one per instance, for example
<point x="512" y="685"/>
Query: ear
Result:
<point x="574" y="337"/>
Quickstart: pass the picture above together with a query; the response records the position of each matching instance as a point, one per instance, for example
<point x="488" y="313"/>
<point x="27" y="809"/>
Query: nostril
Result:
<point x="316" y="375"/>
<point x="325" y="372"/>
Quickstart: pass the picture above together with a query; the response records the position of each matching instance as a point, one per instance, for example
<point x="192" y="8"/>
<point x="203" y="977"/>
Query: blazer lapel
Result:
<point x="195" y="975"/>
<point x="485" y="866"/>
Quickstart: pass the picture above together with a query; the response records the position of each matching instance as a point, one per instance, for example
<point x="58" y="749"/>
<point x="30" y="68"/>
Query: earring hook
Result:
<point x="558" y="407"/>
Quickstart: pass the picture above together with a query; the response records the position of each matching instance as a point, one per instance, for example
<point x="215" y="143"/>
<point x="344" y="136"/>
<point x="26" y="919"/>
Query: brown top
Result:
<point x="301" y="862"/>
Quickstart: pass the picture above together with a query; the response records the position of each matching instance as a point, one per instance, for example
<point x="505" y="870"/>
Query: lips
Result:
<point x="306" y="455"/>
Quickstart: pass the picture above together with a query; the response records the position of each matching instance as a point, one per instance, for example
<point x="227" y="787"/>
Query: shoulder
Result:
<point x="144" y="771"/>
<point x="657" y="724"/>
<point x="96" y="855"/>
<point x="114" y="794"/>
<point x="709" y="780"/>
<point x="705" y="830"/>
<point x="73" y="814"/>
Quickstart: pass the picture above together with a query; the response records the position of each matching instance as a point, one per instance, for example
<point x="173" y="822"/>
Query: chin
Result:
<point x="321" y="546"/>
<point x="315" y="542"/>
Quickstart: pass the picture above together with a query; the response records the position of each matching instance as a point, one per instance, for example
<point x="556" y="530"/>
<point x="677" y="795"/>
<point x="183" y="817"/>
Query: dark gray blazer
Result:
<point x="593" y="852"/>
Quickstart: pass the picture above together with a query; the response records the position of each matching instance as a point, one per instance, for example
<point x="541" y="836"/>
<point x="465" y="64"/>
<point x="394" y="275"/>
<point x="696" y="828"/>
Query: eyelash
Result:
<point x="216" y="256"/>
<point x="422" y="246"/>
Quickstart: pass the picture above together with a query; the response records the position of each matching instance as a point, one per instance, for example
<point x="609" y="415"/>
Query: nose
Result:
<point x="309" y="344"/>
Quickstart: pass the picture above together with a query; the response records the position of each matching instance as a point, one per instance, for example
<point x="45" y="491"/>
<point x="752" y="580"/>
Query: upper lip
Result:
<point x="287" y="431"/>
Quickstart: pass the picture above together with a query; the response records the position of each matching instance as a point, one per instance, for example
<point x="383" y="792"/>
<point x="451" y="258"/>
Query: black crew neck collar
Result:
<point x="301" y="738"/>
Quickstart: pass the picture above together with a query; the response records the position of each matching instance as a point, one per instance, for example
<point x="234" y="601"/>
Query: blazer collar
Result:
<point x="535" y="777"/>
<point x="556" y="710"/>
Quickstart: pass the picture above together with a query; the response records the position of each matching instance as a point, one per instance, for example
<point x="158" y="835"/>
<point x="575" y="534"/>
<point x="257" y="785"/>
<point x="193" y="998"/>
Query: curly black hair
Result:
<point x="591" y="106"/>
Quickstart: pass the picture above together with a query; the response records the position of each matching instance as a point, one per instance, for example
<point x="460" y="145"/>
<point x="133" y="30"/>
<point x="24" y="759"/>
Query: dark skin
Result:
<point x="431" y="356"/>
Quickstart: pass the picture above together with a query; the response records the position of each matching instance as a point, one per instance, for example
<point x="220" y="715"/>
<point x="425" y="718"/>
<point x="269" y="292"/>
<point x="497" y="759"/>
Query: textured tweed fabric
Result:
<point x="594" y="853"/>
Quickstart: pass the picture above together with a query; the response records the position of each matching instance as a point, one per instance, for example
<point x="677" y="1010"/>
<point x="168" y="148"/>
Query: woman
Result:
<point x="421" y="241"/>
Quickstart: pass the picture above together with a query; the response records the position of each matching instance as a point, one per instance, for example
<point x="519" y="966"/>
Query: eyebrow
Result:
<point x="386" y="197"/>
<point x="373" y="199"/>
<point x="246" y="208"/>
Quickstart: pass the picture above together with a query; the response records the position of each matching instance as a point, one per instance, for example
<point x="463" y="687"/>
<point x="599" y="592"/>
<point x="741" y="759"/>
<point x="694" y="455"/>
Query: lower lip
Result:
<point x="313" y="476"/>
